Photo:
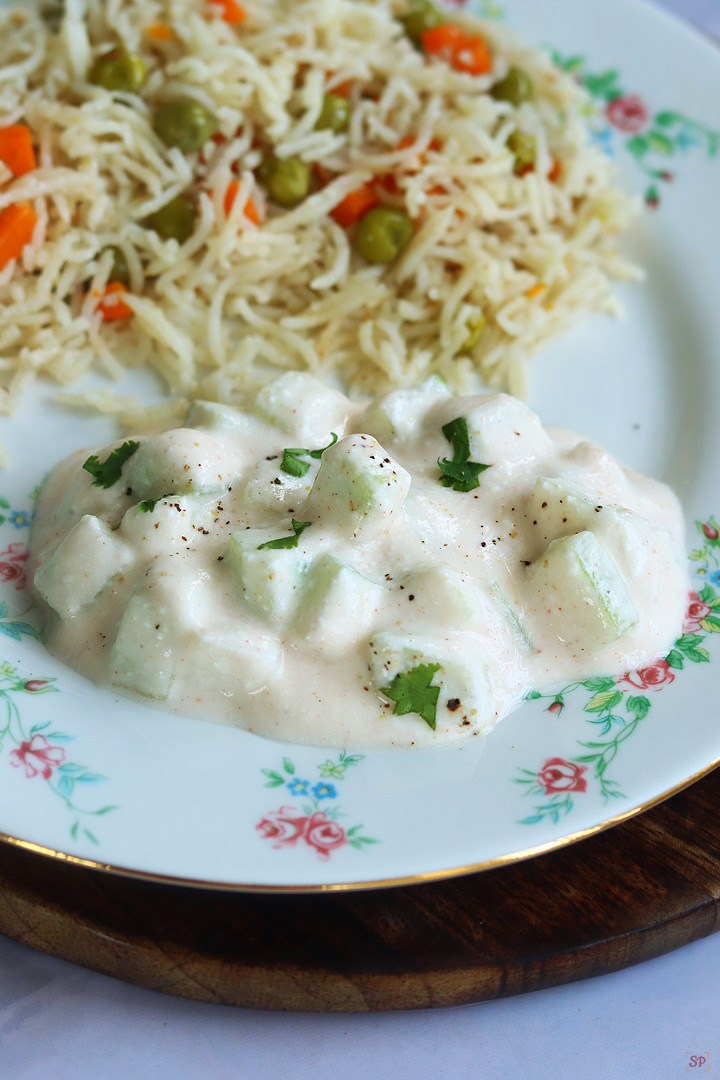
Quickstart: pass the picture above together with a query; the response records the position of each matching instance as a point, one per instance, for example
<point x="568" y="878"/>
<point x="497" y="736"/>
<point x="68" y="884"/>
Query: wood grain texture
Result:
<point x="616" y="899"/>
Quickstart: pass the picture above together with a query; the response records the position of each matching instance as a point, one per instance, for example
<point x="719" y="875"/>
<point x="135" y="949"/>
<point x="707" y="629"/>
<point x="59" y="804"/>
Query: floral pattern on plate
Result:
<point x="650" y="137"/>
<point x="614" y="710"/>
<point x="311" y="825"/>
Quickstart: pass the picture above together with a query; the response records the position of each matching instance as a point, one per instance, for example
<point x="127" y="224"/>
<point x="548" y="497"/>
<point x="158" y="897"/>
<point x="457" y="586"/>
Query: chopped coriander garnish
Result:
<point x="413" y="691"/>
<point x="287" y="541"/>
<point x="457" y="434"/>
<point x="148" y="505"/>
<point x="459" y="474"/>
<point x="291" y="462"/>
<point x="108" y="472"/>
<point x="460" y="477"/>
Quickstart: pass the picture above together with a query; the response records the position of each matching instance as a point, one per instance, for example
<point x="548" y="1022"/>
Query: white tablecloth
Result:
<point x="652" y="1022"/>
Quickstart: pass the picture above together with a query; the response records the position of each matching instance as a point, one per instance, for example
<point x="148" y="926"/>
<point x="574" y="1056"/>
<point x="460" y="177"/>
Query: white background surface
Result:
<point x="60" y="1022"/>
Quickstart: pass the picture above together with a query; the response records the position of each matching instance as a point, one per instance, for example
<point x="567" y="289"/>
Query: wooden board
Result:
<point x="628" y="894"/>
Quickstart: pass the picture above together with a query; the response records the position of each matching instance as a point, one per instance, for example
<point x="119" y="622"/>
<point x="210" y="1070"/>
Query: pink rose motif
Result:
<point x="284" y="826"/>
<point x="628" y="113"/>
<point x="710" y="532"/>
<point x="37" y="686"/>
<point x="324" y="834"/>
<point x="559" y="775"/>
<point x="653" y="677"/>
<point x="12" y="566"/>
<point x="556" y="707"/>
<point x="38" y="756"/>
<point x="697" y="610"/>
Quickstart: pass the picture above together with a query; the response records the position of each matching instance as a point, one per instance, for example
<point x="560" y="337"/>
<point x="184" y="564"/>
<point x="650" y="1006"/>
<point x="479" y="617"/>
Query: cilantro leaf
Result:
<point x="108" y="472"/>
<point x="319" y="453"/>
<point x="459" y="474"/>
<point x="460" y="477"/>
<point x="456" y="433"/>
<point x="287" y="541"/>
<point x="148" y="505"/>
<point x="291" y="462"/>
<point x="412" y="691"/>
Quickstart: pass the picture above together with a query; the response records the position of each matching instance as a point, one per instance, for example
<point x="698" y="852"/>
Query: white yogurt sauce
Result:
<point x="398" y="611"/>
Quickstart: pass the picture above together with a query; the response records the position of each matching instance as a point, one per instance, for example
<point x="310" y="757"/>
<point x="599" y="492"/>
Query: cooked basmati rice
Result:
<point x="237" y="301"/>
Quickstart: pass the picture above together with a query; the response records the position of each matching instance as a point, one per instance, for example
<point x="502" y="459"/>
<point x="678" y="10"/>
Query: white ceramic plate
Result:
<point x="91" y="776"/>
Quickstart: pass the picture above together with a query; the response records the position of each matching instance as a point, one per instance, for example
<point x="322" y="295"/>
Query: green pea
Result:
<point x="476" y="329"/>
<point x="515" y="88"/>
<point x="422" y="16"/>
<point x="523" y="146"/>
<point x="175" y="220"/>
<point x="186" y="124"/>
<point x="334" y="115"/>
<point x="119" y="70"/>
<point x="286" y="180"/>
<point x="119" y="271"/>
<point x="382" y="234"/>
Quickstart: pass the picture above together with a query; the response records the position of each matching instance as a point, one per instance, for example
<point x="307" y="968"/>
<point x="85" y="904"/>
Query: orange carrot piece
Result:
<point x="16" y="149"/>
<point x="17" y="224"/>
<point x="232" y="12"/>
<point x="160" y="32"/>
<point x="443" y="40"/>
<point x="535" y="290"/>
<point x="112" y="306"/>
<point x="473" y="56"/>
<point x="463" y="52"/>
<point x="555" y="171"/>
<point x="355" y="205"/>
<point x="250" y="211"/>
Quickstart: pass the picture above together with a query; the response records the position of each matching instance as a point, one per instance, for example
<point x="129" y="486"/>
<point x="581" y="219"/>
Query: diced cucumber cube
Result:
<point x="272" y="489"/>
<point x="440" y="593"/>
<point x="358" y="486"/>
<point x="461" y="676"/>
<point x="338" y="605"/>
<point x="512" y="612"/>
<point x="81" y="566"/>
<point x="214" y="417"/>
<point x="179" y="462"/>
<point x="165" y="522"/>
<point x="560" y="508"/>
<point x="142" y="656"/>
<point x="399" y="415"/>
<point x="303" y="406"/>
<point x="582" y="592"/>
<point x="270" y="579"/>
<point x="240" y="656"/>
<point x="500" y="428"/>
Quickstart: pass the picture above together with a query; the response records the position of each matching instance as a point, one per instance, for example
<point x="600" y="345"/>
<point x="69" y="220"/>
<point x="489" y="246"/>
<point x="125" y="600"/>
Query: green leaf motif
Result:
<point x="413" y="692"/>
<point x="598" y="685"/>
<point x="667" y="118"/>
<point x="640" y="705"/>
<point x="660" y="143"/>
<point x="707" y="594"/>
<point x="675" y="660"/>
<point x="711" y="623"/>
<point x="606" y="701"/>
<point x="288" y="766"/>
<point x="637" y="146"/>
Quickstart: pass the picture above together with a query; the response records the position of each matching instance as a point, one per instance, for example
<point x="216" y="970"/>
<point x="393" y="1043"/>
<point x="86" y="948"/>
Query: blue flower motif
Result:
<point x="298" y="787"/>
<point x="715" y="577"/>
<point x="20" y="519"/>
<point x="687" y="139"/>
<point x="324" y="791"/>
<point x="604" y="139"/>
